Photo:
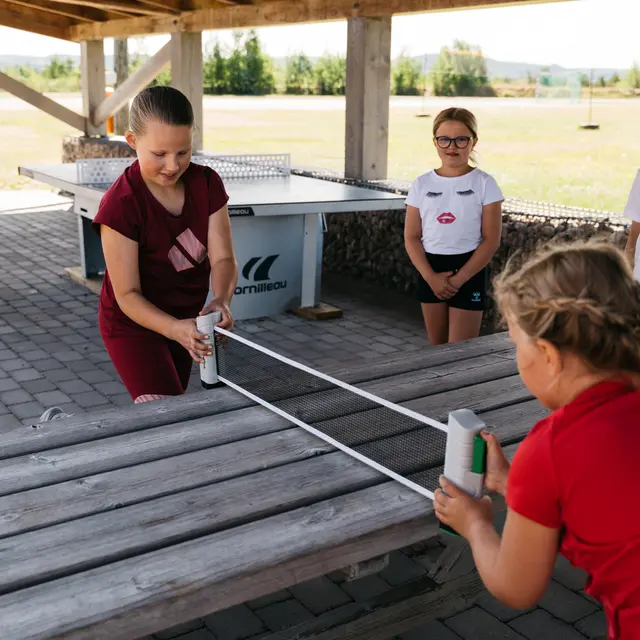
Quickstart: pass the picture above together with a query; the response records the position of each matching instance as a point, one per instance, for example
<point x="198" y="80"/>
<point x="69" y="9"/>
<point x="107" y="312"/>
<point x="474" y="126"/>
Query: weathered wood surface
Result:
<point x="112" y="525"/>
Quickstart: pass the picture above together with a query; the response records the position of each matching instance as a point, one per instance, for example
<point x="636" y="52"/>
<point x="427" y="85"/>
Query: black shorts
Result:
<point x="473" y="293"/>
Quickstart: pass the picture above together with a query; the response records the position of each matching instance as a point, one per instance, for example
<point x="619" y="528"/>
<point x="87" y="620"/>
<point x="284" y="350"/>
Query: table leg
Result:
<point x="90" y="249"/>
<point x="311" y="259"/>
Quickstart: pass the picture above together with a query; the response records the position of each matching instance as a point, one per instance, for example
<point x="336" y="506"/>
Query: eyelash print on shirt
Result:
<point x="468" y="192"/>
<point x="433" y="194"/>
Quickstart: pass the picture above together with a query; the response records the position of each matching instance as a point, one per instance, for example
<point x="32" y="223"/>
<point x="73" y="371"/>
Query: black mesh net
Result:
<point x="397" y="442"/>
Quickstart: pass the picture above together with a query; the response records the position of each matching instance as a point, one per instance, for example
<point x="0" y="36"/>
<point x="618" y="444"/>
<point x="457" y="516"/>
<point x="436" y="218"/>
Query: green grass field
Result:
<point x="535" y="150"/>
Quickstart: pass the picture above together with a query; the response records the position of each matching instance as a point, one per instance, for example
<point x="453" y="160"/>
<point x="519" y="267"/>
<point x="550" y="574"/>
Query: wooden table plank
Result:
<point x="88" y="458"/>
<point x="23" y="440"/>
<point x="392" y="364"/>
<point x="139" y="595"/>
<point x="94" y="541"/>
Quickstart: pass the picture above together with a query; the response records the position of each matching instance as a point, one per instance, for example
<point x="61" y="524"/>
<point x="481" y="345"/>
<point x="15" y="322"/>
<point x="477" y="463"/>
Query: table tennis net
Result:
<point x="406" y="446"/>
<point x="105" y="171"/>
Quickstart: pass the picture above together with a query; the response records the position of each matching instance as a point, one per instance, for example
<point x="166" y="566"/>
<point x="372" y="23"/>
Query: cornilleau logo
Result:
<point x="257" y="270"/>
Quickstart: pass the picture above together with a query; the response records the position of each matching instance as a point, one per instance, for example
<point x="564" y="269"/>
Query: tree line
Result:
<point x="245" y="69"/>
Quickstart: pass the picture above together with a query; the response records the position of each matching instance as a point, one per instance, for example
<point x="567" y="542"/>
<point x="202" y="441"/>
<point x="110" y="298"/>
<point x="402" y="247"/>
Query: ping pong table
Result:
<point x="277" y="222"/>
<point x="124" y="522"/>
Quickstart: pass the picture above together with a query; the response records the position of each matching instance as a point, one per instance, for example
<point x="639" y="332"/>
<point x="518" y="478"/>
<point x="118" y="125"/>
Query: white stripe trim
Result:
<point x="326" y="438"/>
<point x="369" y="396"/>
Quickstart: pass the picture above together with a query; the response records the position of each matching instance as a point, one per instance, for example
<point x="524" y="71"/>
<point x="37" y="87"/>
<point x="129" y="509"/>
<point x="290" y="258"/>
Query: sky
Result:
<point x="580" y="33"/>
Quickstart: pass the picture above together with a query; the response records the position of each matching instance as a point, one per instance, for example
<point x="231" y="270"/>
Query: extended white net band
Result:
<point x="251" y="371"/>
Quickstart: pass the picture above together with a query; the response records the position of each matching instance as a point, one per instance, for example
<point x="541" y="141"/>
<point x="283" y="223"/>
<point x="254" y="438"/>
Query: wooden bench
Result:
<point x="121" y="523"/>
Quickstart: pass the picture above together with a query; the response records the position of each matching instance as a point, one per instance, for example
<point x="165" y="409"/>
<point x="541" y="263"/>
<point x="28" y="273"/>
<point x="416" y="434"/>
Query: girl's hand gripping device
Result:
<point x="466" y="454"/>
<point x="209" y="368"/>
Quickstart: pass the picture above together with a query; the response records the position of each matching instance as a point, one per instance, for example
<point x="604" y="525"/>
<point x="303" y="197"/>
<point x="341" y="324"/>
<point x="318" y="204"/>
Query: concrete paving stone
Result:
<point x="401" y="569"/>
<point x="8" y="354"/>
<point x="50" y="324"/>
<point x="67" y="356"/>
<point x="432" y="630"/>
<point x="79" y="366"/>
<point x="565" y="604"/>
<point x="7" y="421"/>
<point x="121" y="400"/>
<point x="17" y="396"/>
<point x="95" y="376"/>
<point x="25" y="375"/>
<point x="62" y="374"/>
<point x="38" y="386"/>
<point x="593" y="626"/>
<point x="111" y="388"/>
<point x="62" y="331"/>
<point x="539" y="625"/>
<point x="52" y="398"/>
<point x="320" y="595"/>
<point x="48" y="364"/>
<point x="34" y="355"/>
<point x="477" y="624"/>
<point x="365" y="588"/>
<point x="79" y="324"/>
<point x="586" y="596"/>
<point x="283" y="615"/>
<point x="8" y="384"/>
<point x="89" y="399"/>
<point x="75" y="385"/>
<point x="14" y="364"/>
<point x="235" y="623"/>
<point x="27" y="410"/>
<point x="390" y="340"/>
<point x="569" y="576"/>
<point x="72" y="408"/>
<point x="359" y="339"/>
<point x="6" y="330"/>
<point x="383" y="348"/>
<point x="271" y="598"/>
<point x="179" y="630"/>
<point x="497" y="609"/>
<point x="98" y="356"/>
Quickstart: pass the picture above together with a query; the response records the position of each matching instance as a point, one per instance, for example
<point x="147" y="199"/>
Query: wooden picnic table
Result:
<point x="120" y="523"/>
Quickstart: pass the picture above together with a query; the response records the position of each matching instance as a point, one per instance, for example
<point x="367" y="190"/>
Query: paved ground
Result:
<point x="51" y="354"/>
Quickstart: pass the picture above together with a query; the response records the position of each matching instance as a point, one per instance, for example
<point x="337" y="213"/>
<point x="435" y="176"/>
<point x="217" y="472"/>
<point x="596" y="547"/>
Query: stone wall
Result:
<point x="80" y="147"/>
<point x="370" y="247"/>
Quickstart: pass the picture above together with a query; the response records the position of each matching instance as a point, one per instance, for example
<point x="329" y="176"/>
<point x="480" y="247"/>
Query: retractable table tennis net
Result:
<point x="401" y="443"/>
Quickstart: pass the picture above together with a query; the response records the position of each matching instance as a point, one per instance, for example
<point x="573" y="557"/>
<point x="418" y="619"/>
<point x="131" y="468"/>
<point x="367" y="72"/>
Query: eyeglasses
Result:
<point x="461" y="142"/>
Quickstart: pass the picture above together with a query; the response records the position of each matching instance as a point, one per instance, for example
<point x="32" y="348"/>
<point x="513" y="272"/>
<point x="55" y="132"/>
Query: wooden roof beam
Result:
<point x="66" y="10"/>
<point x="132" y="85"/>
<point x="168" y="6"/>
<point x="278" y="12"/>
<point x="16" y="17"/>
<point x="123" y="7"/>
<point x="55" y="109"/>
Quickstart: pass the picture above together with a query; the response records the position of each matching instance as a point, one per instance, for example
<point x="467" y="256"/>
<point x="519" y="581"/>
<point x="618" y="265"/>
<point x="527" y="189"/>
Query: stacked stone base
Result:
<point x="81" y="147"/>
<point x="369" y="247"/>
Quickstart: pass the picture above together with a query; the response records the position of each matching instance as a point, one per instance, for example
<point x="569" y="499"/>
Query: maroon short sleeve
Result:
<point x="120" y="213"/>
<point x="217" y="193"/>
<point x="531" y="487"/>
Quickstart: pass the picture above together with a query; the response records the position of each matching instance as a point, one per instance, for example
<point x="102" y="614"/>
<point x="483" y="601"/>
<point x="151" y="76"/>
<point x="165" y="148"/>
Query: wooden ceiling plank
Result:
<point x="279" y="12"/>
<point x="35" y="22"/>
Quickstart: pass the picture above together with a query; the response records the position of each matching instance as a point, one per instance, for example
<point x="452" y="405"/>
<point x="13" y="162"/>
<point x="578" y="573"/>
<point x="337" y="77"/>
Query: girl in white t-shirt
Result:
<point x="632" y="211"/>
<point x="452" y="230"/>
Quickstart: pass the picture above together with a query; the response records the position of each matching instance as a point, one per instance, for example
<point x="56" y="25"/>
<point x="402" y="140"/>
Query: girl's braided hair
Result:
<point x="580" y="297"/>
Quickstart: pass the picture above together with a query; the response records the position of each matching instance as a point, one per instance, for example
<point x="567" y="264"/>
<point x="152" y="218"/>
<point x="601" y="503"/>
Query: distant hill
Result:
<point x="495" y="68"/>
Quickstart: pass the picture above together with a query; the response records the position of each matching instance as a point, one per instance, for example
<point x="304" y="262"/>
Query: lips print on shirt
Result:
<point x="446" y="218"/>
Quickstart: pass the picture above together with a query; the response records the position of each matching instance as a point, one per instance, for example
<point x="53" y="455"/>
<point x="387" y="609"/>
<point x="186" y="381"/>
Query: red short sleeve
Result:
<point x="120" y="213"/>
<point x="531" y="487"/>
<point x="217" y="193"/>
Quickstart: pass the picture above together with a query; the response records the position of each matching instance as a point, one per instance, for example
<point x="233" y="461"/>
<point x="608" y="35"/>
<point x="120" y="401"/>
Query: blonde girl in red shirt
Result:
<point x="574" y="315"/>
